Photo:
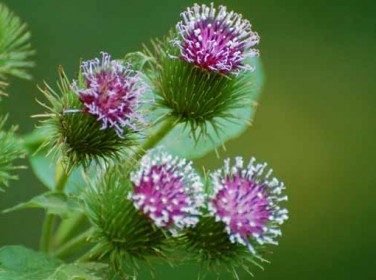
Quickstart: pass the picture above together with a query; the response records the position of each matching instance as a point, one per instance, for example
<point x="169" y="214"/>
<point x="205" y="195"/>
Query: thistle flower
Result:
<point x="218" y="41"/>
<point x="111" y="93"/>
<point x="198" y="78"/>
<point x="96" y="116"/>
<point x="248" y="203"/>
<point x="243" y="215"/>
<point x="167" y="191"/>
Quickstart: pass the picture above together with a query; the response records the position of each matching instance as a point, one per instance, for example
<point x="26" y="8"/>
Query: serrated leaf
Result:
<point x="53" y="202"/>
<point x="17" y="262"/>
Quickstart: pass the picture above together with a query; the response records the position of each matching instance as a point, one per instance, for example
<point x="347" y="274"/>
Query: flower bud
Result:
<point x="95" y="116"/>
<point x="244" y="215"/>
<point x="168" y="191"/>
<point x="203" y="71"/>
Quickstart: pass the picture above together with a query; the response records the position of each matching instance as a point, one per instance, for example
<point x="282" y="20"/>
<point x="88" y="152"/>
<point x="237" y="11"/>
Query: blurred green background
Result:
<point x="316" y="123"/>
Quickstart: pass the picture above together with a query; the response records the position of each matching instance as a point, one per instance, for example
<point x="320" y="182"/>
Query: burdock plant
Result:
<point x="115" y="145"/>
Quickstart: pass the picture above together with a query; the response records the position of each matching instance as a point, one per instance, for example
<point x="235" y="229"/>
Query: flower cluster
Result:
<point x="248" y="203"/>
<point x="218" y="41"/>
<point x="111" y="93"/>
<point x="168" y="191"/>
<point x="135" y="211"/>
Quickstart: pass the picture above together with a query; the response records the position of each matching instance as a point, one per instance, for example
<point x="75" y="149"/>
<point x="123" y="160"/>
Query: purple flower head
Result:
<point x="168" y="191"/>
<point x="247" y="202"/>
<point x="218" y="41"/>
<point x="111" y="93"/>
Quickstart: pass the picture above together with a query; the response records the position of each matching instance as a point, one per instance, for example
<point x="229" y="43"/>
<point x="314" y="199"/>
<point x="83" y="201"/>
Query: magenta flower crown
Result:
<point x="168" y="191"/>
<point x="248" y="203"/>
<point x="111" y="93"/>
<point x="218" y="41"/>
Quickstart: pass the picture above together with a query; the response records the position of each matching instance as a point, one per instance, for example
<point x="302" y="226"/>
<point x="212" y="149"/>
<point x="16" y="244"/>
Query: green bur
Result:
<point x="208" y="244"/>
<point x="209" y="108"/>
<point x="123" y="234"/>
<point x="77" y="137"/>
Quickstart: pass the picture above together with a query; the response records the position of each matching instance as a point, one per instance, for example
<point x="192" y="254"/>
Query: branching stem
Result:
<point x="155" y="138"/>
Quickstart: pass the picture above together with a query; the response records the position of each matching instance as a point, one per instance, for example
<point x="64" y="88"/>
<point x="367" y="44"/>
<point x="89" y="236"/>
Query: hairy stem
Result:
<point x="46" y="232"/>
<point x="61" y="178"/>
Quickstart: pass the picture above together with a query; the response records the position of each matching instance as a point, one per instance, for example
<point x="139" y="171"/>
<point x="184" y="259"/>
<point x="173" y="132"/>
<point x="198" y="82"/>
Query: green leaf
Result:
<point x="44" y="168"/>
<point x="53" y="202"/>
<point x="17" y="262"/>
<point x="44" y="165"/>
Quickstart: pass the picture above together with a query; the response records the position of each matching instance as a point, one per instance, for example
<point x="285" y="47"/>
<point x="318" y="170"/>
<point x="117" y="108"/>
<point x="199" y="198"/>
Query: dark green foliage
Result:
<point x="208" y="244"/>
<point x="15" y="47"/>
<point x="17" y="262"/>
<point x="122" y="233"/>
<point x="11" y="149"/>
<point x="77" y="137"/>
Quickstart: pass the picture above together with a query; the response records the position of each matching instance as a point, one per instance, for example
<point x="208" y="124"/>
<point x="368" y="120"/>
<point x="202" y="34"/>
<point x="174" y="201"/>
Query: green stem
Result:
<point x="67" y="228"/>
<point x="73" y="244"/>
<point x="153" y="139"/>
<point x="61" y="178"/>
<point x="46" y="232"/>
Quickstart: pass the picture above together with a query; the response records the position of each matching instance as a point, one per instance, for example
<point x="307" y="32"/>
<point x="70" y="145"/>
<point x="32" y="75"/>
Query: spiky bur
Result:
<point x="15" y="47"/>
<point x="218" y="41"/>
<point x="244" y="214"/>
<point x="195" y="87"/>
<point x="11" y="150"/>
<point x="94" y="117"/>
<point x="209" y="246"/>
<point x="168" y="191"/>
<point x="122" y="233"/>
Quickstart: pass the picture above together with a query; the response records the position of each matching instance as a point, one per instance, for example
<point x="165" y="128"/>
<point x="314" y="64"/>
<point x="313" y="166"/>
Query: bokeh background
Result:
<point x="316" y="123"/>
